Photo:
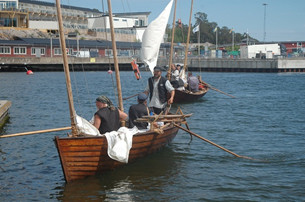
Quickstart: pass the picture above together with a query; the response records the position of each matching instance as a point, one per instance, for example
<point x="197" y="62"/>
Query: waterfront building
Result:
<point x="11" y="16"/>
<point x="37" y="48"/>
<point x="34" y="14"/>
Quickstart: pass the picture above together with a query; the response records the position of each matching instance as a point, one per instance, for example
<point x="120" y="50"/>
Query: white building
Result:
<point x="132" y="22"/>
<point x="260" y="50"/>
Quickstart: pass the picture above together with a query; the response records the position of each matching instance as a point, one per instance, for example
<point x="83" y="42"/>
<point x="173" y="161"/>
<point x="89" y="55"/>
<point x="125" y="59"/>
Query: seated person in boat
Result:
<point x="193" y="83"/>
<point x="181" y="81"/>
<point x="174" y="76"/>
<point x="202" y="85"/>
<point x="137" y="111"/>
<point x="108" y="117"/>
<point x="157" y="88"/>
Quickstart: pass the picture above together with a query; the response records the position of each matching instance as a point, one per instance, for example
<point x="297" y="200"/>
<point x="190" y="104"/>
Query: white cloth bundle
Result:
<point x="85" y="128"/>
<point x="120" y="143"/>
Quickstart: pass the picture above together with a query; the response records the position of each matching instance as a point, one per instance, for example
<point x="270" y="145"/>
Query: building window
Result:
<point x="94" y="53"/>
<point x="116" y="19"/>
<point x="42" y="51"/>
<point x="5" y="50"/>
<point x="57" y="51"/>
<point x="69" y="51"/>
<point x="8" y="4"/>
<point x="141" y="23"/>
<point x="108" y="52"/>
<point x="20" y="50"/>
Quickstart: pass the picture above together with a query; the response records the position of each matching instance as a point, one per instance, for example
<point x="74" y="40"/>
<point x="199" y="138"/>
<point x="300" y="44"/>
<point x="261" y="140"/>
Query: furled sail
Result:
<point x="153" y="36"/>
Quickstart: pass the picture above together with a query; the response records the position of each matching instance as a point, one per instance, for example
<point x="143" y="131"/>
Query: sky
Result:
<point x="284" y="18"/>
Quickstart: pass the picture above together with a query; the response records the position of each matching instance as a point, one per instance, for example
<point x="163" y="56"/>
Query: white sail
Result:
<point x="153" y="36"/>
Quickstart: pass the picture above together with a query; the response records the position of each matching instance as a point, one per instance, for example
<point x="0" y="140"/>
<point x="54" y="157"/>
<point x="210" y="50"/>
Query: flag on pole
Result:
<point x="196" y="29"/>
<point x="231" y="30"/>
<point x="215" y="29"/>
<point x="179" y="23"/>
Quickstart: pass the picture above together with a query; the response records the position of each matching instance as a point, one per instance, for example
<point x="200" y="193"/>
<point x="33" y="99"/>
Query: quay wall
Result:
<point x="194" y="64"/>
<point x="4" y="108"/>
<point x="243" y="65"/>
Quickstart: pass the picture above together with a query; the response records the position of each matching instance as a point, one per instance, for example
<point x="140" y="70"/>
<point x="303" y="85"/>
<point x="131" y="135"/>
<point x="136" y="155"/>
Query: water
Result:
<point x="266" y="122"/>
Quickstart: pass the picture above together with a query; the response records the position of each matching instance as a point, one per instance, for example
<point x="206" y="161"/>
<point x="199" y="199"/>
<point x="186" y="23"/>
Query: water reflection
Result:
<point x="129" y="183"/>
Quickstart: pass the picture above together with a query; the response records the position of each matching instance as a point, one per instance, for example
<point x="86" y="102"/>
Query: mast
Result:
<point x="188" y="39"/>
<point x="66" y="68"/>
<point x="172" y="43"/>
<point x="116" y="64"/>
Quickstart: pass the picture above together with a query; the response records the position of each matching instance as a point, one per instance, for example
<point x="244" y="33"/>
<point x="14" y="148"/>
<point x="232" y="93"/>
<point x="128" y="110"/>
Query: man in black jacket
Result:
<point x="158" y="87"/>
<point x="137" y="111"/>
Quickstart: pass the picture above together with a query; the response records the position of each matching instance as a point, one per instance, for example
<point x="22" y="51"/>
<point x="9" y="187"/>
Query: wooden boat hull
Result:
<point x="85" y="156"/>
<point x="186" y="96"/>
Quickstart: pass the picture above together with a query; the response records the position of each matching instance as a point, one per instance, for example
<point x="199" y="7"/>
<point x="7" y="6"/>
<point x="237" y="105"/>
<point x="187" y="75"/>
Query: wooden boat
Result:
<point x="183" y="95"/>
<point x="85" y="156"/>
<point x="187" y="96"/>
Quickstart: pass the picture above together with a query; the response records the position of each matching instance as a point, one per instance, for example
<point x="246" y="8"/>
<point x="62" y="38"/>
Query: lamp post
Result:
<point x="264" y="4"/>
<point x="51" y="46"/>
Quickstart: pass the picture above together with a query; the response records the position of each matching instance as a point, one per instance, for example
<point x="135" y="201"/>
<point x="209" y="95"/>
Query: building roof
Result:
<point x="43" y="3"/>
<point x="131" y="13"/>
<point x="70" y="43"/>
<point x="13" y="42"/>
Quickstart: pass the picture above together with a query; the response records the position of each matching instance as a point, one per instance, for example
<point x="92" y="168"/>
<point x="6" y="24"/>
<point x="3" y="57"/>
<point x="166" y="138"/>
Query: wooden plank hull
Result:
<point x="186" y="96"/>
<point x="84" y="156"/>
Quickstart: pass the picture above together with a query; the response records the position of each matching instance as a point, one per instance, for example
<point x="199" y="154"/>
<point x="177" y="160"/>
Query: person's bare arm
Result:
<point x="97" y="121"/>
<point x="171" y="99"/>
<point x="123" y="116"/>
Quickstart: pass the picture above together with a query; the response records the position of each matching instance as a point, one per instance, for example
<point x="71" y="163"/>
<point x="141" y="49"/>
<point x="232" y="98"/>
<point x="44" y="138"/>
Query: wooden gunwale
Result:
<point x="183" y="96"/>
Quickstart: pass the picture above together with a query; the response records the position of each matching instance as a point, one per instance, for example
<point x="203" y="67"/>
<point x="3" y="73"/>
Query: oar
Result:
<point x="198" y="136"/>
<point x="36" y="132"/>
<point x="213" y="88"/>
<point x="126" y="98"/>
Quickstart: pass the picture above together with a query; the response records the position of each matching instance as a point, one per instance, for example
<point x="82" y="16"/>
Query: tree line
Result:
<point x="207" y="32"/>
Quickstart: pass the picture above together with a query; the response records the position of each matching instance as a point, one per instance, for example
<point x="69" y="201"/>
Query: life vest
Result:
<point x="135" y="68"/>
<point x="161" y="88"/>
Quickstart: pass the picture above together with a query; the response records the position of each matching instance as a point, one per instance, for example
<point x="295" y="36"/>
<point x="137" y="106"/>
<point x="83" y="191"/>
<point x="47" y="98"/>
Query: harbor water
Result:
<point x="266" y="121"/>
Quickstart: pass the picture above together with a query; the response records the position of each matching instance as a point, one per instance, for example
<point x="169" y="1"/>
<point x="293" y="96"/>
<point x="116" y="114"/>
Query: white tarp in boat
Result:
<point x="85" y="128"/>
<point x="153" y="36"/>
<point x="120" y="143"/>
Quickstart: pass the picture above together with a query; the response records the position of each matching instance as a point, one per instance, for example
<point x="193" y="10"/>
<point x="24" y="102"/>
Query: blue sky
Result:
<point x="284" y="18"/>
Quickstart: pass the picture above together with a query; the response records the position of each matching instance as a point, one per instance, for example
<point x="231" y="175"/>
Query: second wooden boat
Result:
<point x="187" y="96"/>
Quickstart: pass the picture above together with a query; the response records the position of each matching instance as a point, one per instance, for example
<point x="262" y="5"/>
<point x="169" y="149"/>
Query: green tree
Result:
<point x="207" y="33"/>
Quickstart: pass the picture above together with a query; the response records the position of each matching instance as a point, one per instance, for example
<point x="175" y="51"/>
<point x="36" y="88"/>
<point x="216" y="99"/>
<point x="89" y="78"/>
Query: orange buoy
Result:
<point x="29" y="72"/>
<point x="135" y="68"/>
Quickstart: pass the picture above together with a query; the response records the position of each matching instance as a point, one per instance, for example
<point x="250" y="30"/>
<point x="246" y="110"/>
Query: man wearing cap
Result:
<point x="137" y="111"/>
<point x="108" y="117"/>
<point x="158" y="87"/>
